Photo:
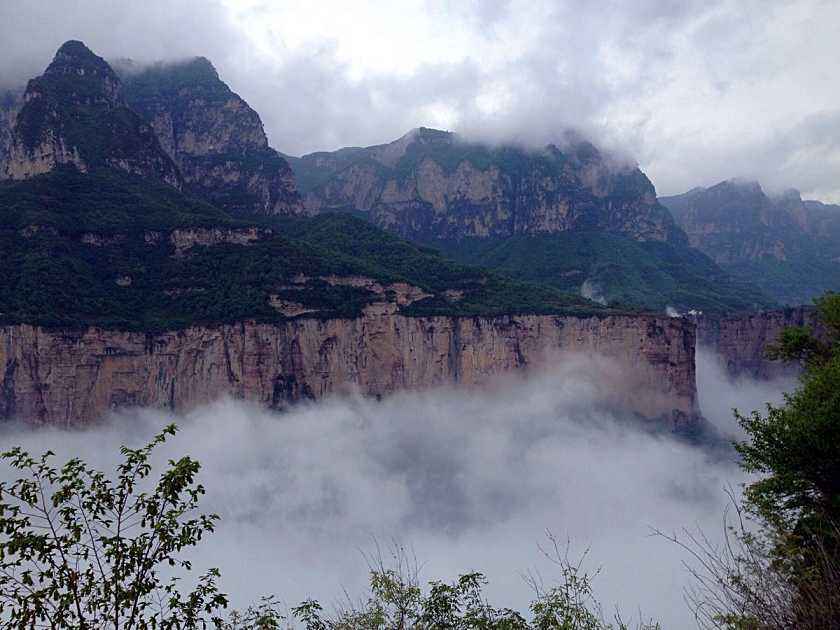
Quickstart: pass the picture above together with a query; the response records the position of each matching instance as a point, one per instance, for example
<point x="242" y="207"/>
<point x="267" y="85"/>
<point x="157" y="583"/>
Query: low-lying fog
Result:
<point x="467" y="479"/>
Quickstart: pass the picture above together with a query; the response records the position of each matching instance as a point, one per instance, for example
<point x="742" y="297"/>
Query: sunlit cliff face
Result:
<point x="468" y="479"/>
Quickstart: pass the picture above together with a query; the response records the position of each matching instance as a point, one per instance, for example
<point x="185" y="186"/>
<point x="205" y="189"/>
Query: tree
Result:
<point x="397" y="601"/>
<point x="78" y="550"/>
<point x="796" y="446"/>
<point x="779" y="566"/>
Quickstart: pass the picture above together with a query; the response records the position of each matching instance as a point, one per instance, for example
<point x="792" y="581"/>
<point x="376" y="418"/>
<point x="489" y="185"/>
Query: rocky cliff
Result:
<point x="10" y="103"/>
<point x="214" y="137"/>
<point x="433" y="184"/>
<point x="787" y="246"/>
<point x="74" y="114"/>
<point x="742" y="340"/>
<point x="72" y="377"/>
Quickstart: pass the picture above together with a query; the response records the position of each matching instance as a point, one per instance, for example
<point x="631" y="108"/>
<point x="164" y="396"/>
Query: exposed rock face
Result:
<point x="742" y="340"/>
<point x="733" y="221"/>
<point x="187" y="238"/>
<point x="10" y="104"/>
<point x="216" y="139"/>
<point x="75" y="114"/>
<point x="71" y="377"/>
<point x="433" y="185"/>
<point x="788" y="247"/>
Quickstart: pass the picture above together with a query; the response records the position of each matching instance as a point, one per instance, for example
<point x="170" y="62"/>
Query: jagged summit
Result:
<point x="177" y="122"/>
<point x="73" y="56"/>
<point x="74" y="114"/>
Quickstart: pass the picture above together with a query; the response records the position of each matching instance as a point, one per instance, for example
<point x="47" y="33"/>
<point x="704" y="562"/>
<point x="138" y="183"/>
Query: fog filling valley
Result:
<point x="466" y="479"/>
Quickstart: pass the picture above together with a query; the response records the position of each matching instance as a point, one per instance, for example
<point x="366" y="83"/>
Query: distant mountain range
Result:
<point x="786" y="246"/>
<point x="147" y="196"/>
<point x="567" y="216"/>
<point x="155" y="203"/>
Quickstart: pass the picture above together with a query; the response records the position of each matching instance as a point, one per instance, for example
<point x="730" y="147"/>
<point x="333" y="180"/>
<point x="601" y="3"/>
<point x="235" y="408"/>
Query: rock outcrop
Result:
<point x="433" y="184"/>
<point x="74" y="114"/>
<point x="741" y="340"/>
<point x="214" y="137"/>
<point x="58" y="376"/>
<point x="10" y="103"/>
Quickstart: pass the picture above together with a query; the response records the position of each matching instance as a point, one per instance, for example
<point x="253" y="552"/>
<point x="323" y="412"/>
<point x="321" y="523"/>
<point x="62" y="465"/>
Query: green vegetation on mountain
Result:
<point x="779" y="566"/>
<point x="96" y="249"/>
<point x="614" y="268"/>
<point x="565" y="216"/>
<point x="387" y="256"/>
<point x="161" y="81"/>
<point x="77" y="104"/>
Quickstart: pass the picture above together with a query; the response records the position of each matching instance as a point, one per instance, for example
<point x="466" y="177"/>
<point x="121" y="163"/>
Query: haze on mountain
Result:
<point x="787" y="246"/>
<point x="593" y="222"/>
<point x="696" y="92"/>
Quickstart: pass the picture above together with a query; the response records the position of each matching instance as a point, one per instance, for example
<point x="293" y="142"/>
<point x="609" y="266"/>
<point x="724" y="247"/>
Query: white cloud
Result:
<point x="469" y="480"/>
<point x="696" y="91"/>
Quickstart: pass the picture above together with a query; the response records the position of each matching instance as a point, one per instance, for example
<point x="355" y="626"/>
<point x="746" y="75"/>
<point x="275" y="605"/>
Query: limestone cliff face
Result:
<point x="74" y="114"/>
<point x="434" y="185"/>
<point x="214" y="137"/>
<point x="72" y="377"/>
<point x="10" y="104"/>
<point x="742" y="340"/>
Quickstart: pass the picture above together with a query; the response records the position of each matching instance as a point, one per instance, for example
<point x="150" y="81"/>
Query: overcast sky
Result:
<point x="695" y="92"/>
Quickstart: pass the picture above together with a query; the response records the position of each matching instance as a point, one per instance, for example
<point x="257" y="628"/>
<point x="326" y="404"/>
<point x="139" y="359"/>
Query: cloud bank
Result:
<point x="696" y="91"/>
<point x="467" y="480"/>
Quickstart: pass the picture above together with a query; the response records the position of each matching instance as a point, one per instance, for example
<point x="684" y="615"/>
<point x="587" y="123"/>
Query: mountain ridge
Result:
<point x="787" y="246"/>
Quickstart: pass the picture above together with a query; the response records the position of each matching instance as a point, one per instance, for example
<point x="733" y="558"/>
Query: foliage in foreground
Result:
<point x="79" y="550"/>
<point x="779" y="566"/>
<point x="397" y="601"/>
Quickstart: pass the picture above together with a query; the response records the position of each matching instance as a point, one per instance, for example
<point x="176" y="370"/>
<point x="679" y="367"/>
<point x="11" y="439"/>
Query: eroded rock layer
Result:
<point x="74" y="377"/>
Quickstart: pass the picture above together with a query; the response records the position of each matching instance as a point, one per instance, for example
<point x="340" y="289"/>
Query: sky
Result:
<point x="464" y="479"/>
<point x="695" y="91"/>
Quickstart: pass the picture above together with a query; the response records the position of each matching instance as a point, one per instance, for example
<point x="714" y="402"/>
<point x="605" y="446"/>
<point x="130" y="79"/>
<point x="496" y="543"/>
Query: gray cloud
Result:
<point x="695" y="91"/>
<point x="467" y="479"/>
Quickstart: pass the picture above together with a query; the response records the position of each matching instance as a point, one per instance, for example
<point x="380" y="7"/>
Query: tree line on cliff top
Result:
<point x="83" y="549"/>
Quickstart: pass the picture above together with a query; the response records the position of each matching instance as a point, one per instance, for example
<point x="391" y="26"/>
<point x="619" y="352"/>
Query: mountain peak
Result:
<point x="75" y="114"/>
<point x="73" y="57"/>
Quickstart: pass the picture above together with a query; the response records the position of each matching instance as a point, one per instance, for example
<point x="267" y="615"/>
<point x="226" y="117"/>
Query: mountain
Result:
<point x="432" y="184"/>
<point x="75" y="114"/>
<point x="141" y="270"/>
<point x="569" y="217"/>
<point x="213" y="135"/>
<point x="788" y="247"/>
<point x="110" y="249"/>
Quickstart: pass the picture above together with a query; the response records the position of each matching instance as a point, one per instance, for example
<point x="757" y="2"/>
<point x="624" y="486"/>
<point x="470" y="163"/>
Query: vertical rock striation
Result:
<point x="71" y="377"/>
<point x="742" y="339"/>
